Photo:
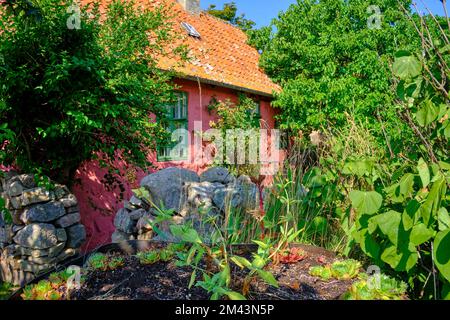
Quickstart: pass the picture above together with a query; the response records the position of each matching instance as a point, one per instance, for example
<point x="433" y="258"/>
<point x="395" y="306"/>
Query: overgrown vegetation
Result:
<point x="367" y="172"/>
<point x="75" y="85"/>
<point x="374" y="175"/>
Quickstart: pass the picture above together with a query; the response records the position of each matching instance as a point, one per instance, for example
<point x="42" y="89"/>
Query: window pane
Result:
<point x="177" y="147"/>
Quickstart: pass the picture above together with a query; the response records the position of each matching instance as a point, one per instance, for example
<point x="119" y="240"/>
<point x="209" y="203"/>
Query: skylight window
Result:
<point x="190" y="30"/>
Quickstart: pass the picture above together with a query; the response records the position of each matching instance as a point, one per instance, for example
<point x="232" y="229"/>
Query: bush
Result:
<point x="71" y="94"/>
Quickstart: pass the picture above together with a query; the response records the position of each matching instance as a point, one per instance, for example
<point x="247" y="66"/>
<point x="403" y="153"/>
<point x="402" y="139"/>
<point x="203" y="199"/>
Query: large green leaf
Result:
<point x="268" y="277"/>
<point x="407" y="67"/>
<point x="442" y="253"/>
<point x="369" y="245"/>
<point x="446" y="291"/>
<point x="410" y="215"/>
<point x="389" y="224"/>
<point x="403" y="260"/>
<point x="241" y="262"/>
<point x="185" y="234"/>
<point x="358" y="167"/>
<point x="443" y="219"/>
<point x="366" y="202"/>
<point x="420" y="234"/>
<point x="424" y="172"/>
<point x="427" y="113"/>
<point x="401" y="190"/>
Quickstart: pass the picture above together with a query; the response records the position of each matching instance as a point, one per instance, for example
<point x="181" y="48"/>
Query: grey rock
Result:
<point x="27" y="180"/>
<point x="137" y="214"/>
<point x="73" y="209"/>
<point x="35" y="195"/>
<point x="145" y="236"/>
<point x="123" y="222"/>
<point x="43" y="212"/>
<point x="250" y="196"/>
<point x="119" y="236"/>
<point x="61" y="191"/>
<point x="244" y="179"/>
<point x="56" y="250"/>
<point x="15" y="188"/>
<point x="145" y="223"/>
<point x="68" y="220"/>
<point x="61" y="235"/>
<point x="6" y="234"/>
<point x="25" y="265"/>
<point x="166" y="186"/>
<point x="127" y="205"/>
<point x="17" y="228"/>
<point x="136" y="202"/>
<point x="39" y="253"/>
<point x="21" y="278"/>
<point x="217" y="174"/>
<point x="67" y="253"/>
<point x="37" y="236"/>
<point x="198" y="197"/>
<point x="16" y="217"/>
<point x="42" y="260"/>
<point x="76" y="235"/>
<point x="226" y="197"/>
<point x="15" y="202"/>
<point x="15" y="250"/>
<point x="69" y="201"/>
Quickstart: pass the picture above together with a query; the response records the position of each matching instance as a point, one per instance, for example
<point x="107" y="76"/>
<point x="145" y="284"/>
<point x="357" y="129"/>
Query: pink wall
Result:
<point x="98" y="203"/>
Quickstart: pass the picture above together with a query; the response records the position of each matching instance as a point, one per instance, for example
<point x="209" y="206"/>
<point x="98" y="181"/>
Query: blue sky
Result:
<point x="263" y="11"/>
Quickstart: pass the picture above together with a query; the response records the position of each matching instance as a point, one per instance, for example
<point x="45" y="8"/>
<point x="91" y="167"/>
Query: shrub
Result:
<point x="68" y="95"/>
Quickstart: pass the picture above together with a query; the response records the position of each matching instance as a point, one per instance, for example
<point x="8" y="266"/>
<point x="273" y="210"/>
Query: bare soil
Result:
<point x="166" y="281"/>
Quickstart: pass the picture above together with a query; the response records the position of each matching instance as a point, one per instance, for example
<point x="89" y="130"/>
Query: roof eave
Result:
<point x="225" y="85"/>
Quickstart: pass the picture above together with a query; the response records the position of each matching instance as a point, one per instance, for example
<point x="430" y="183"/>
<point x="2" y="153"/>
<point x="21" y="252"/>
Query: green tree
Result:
<point x="75" y="85"/>
<point x="334" y="57"/>
<point x="229" y="13"/>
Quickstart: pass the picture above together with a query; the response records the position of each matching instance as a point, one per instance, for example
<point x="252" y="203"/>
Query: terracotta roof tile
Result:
<point x="221" y="55"/>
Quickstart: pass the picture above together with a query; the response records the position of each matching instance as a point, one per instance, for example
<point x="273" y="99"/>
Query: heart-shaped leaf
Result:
<point x="407" y="67"/>
<point x="366" y="202"/>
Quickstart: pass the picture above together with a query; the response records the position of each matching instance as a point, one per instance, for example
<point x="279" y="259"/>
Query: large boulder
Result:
<point x="123" y="221"/>
<point x="43" y="212"/>
<point x="217" y="174"/>
<point x="76" y="235"/>
<point x="198" y="196"/>
<point x="166" y="186"/>
<point x="37" y="236"/>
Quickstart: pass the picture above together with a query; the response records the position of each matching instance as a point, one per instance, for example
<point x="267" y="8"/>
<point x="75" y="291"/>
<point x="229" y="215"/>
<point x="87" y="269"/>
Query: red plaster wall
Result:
<point x="98" y="205"/>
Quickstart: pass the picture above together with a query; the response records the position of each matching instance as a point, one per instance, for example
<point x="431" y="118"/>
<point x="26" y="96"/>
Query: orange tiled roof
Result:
<point x="221" y="56"/>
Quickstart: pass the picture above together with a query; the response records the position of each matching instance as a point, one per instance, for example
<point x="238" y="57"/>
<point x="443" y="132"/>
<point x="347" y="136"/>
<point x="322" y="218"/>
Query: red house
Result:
<point x="222" y="66"/>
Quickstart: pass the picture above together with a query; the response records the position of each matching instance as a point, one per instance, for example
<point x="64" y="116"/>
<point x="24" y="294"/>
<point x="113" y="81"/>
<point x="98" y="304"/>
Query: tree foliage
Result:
<point x="229" y="13"/>
<point x="69" y="94"/>
<point x="333" y="58"/>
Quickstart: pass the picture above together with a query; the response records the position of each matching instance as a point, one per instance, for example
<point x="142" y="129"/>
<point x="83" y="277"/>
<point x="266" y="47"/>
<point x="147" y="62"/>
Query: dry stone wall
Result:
<point x="45" y="229"/>
<point x="189" y="196"/>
